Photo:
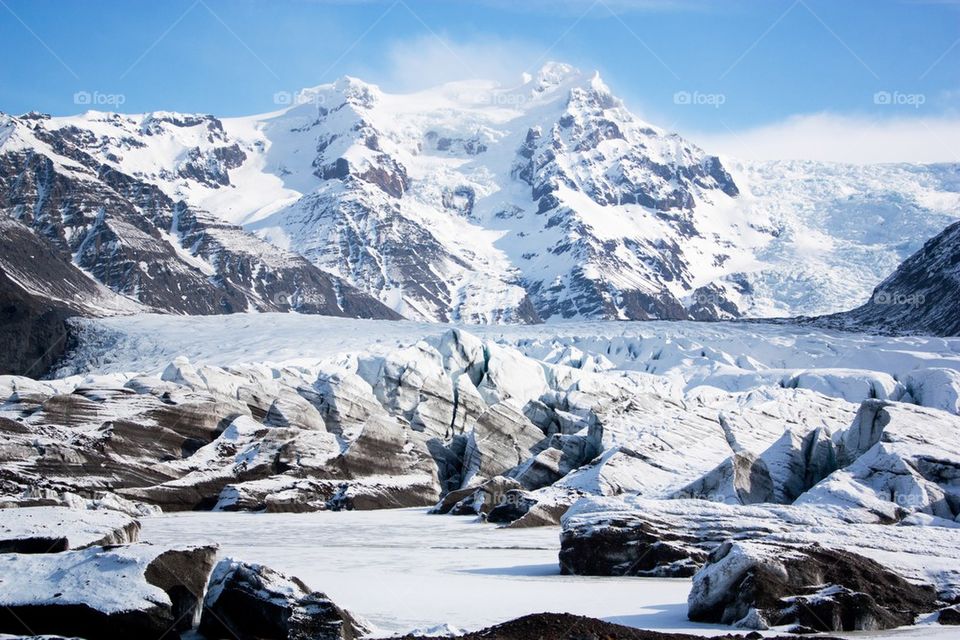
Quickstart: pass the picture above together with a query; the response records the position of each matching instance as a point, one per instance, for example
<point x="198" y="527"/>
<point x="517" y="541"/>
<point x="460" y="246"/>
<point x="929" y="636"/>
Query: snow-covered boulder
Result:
<point x="55" y="529"/>
<point x="779" y="474"/>
<point x="249" y="602"/>
<point x="896" y="459"/>
<point x="936" y="388"/>
<point x="136" y="591"/>
<point x="758" y="585"/>
<point x="853" y="385"/>
<point x="618" y="470"/>
<point x="669" y="538"/>
<point x="638" y="536"/>
<point x="519" y="509"/>
<point x="502" y="439"/>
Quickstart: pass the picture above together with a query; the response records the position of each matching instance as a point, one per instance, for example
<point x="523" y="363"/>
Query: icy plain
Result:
<point x="405" y="570"/>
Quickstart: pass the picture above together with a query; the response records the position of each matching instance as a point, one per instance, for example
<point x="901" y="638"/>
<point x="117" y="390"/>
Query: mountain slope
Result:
<point x="921" y="296"/>
<point x="127" y="234"/>
<point x="39" y="290"/>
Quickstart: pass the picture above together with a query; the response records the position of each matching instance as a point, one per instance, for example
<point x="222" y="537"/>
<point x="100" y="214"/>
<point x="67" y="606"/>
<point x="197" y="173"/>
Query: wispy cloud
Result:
<point x="839" y="138"/>
<point x="434" y="59"/>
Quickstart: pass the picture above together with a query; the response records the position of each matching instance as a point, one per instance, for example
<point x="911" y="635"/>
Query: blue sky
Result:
<point x="747" y="67"/>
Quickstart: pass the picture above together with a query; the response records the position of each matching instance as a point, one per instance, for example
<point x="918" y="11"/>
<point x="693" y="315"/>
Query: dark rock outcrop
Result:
<point x="477" y="500"/>
<point x="950" y="615"/>
<point x="39" y="291"/>
<point x="565" y="626"/>
<point x="758" y="585"/>
<point x="249" y="602"/>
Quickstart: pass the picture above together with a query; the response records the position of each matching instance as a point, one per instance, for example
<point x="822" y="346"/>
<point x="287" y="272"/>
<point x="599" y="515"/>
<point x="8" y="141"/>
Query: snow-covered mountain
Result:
<point x="139" y="248"/>
<point x="480" y="203"/>
<point x="921" y="296"/>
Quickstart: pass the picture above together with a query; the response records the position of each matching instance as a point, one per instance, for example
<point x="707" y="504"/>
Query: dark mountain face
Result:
<point x="107" y="227"/>
<point x="39" y="290"/>
<point x="921" y="297"/>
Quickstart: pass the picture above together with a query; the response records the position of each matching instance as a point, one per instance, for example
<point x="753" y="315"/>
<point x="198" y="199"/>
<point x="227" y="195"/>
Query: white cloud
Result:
<point x="838" y="138"/>
<point x="433" y="59"/>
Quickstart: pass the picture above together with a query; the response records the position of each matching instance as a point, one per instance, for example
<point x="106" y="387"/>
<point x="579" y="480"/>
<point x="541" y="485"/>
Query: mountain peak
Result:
<point x="553" y="74"/>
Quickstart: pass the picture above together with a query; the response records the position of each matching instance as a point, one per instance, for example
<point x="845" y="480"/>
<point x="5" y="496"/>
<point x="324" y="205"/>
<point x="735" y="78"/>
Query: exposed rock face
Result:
<point x="656" y="538"/>
<point x="116" y="593"/>
<point x="251" y="601"/>
<point x="39" y="290"/>
<point x="33" y="332"/>
<point x="757" y="585"/>
<point x="75" y="572"/>
<point x="950" y="615"/>
<point x="55" y="529"/>
<point x="597" y="151"/>
<point x="920" y="297"/>
<point x="135" y="240"/>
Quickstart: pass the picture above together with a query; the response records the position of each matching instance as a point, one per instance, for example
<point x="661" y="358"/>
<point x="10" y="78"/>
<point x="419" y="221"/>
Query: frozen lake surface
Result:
<point x="404" y="569"/>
